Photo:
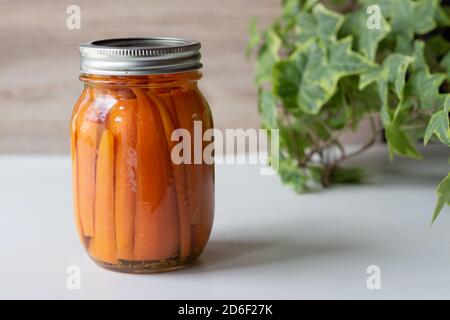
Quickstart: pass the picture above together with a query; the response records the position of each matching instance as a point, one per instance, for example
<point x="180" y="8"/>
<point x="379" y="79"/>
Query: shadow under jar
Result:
<point x="136" y="209"/>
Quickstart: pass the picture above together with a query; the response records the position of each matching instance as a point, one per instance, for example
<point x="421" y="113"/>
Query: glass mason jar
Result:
<point x="136" y="209"/>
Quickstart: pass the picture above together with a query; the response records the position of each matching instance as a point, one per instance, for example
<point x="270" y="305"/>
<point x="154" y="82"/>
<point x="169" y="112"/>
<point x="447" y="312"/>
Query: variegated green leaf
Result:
<point x="445" y="62"/>
<point x="308" y="79"/>
<point x="366" y="39"/>
<point x="268" y="109"/>
<point x="391" y="74"/>
<point x="399" y="140"/>
<point x="443" y="193"/>
<point x="268" y="56"/>
<point x="439" y="124"/>
<point x="287" y="77"/>
<point x="254" y="37"/>
<point x="397" y="65"/>
<point x="321" y="23"/>
<point x="424" y="87"/>
<point x="400" y="143"/>
<point x="408" y="17"/>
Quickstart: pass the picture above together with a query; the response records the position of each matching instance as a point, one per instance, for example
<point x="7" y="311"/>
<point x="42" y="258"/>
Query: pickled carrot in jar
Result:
<point x="136" y="210"/>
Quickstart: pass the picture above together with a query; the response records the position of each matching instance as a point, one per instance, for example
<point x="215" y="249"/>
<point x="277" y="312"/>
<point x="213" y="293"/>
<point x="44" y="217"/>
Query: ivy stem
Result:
<point x="329" y="168"/>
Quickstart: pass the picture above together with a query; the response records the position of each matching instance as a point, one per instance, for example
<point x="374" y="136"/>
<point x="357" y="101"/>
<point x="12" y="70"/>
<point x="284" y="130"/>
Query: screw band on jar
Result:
<point x="140" y="56"/>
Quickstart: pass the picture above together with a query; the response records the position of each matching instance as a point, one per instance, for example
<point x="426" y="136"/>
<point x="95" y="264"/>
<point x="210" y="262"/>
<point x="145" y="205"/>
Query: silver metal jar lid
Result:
<point x="139" y="56"/>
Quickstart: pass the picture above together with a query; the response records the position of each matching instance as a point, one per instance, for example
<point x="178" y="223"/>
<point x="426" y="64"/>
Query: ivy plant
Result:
<point x="325" y="67"/>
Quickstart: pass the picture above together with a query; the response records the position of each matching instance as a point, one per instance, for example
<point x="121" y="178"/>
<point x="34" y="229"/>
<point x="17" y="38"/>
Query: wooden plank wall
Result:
<point x="39" y="59"/>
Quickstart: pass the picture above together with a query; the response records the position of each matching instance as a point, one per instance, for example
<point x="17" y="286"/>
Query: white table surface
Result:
<point x="267" y="241"/>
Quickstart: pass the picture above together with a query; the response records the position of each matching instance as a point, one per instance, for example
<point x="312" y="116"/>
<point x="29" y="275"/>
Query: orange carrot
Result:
<point x="201" y="230"/>
<point x="75" y="185"/>
<point x="74" y="157"/>
<point x="102" y="245"/>
<point x="178" y="171"/>
<point x="156" y="225"/>
<point x="166" y="99"/>
<point x="85" y="97"/>
<point x="87" y="130"/>
<point x="191" y="106"/>
<point x="188" y="111"/>
<point x="122" y="123"/>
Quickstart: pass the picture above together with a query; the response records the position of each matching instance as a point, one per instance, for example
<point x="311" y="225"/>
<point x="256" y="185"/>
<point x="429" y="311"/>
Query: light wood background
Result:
<point x="39" y="59"/>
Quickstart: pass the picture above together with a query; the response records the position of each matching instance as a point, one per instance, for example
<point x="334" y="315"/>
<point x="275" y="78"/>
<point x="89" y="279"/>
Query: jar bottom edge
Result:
<point x="148" y="267"/>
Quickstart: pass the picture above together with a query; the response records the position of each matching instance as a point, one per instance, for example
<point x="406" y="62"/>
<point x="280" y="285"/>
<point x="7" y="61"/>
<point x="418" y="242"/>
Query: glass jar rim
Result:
<point x="139" y="56"/>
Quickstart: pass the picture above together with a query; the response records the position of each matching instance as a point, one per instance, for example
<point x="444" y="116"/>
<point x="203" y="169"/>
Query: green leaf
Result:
<point x="423" y="14"/>
<point x="397" y="65"/>
<point x="366" y="39"/>
<point x="254" y="37"/>
<point x="408" y="17"/>
<point x="336" y="62"/>
<point x="445" y="62"/>
<point x="267" y="57"/>
<point x="393" y="71"/>
<point x="322" y="24"/>
<point x="347" y="175"/>
<point x="292" y="176"/>
<point x="439" y="125"/>
<point x="268" y="109"/>
<point x="383" y="91"/>
<point x="400" y="140"/>
<point x="420" y="62"/>
<point x="424" y="87"/>
<point x="400" y="143"/>
<point x="391" y="74"/>
<point x="403" y="44"/>
<point x="437" y="45"/>
<point x="309" y="78"/>
<point x="442" y="17"/>
<point x="373" y="75"/>
<point x="309" y="4"/>
<point x="350" y="104"/>
<point x="427" y="54"/>
<point x="443" y="193"/>
<point x="363" y="102"/>
<point x="293" y="7"/>
<point x="287" y="77"/>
